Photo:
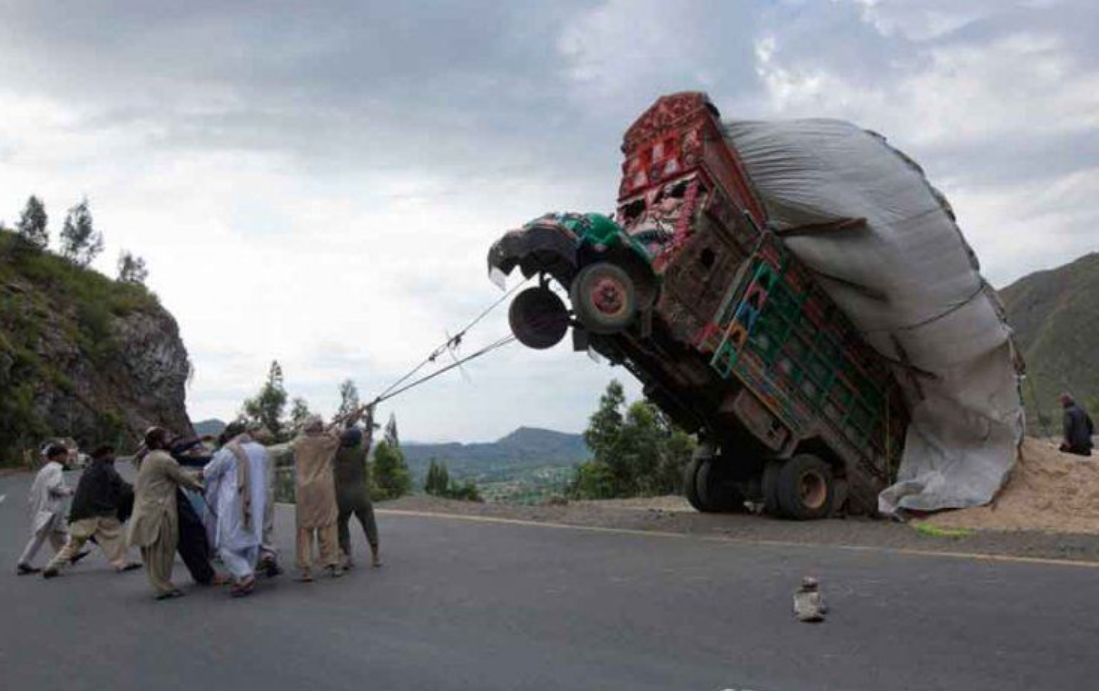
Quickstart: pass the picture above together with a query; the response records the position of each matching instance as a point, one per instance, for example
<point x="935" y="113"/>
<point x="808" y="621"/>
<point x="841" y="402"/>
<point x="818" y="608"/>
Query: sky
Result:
<point x="319" y="183"/>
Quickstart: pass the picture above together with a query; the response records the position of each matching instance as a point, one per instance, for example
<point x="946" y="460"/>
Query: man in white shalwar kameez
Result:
<point x="236" y="491"/>
<point x="47" y="505"/>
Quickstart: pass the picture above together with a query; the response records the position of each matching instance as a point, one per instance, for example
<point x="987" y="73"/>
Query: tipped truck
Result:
<point x="689" y="289"/>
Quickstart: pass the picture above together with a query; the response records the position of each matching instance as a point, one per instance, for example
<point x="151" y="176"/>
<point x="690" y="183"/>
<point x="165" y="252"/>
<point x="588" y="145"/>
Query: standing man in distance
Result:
<point x="154" y="526"/>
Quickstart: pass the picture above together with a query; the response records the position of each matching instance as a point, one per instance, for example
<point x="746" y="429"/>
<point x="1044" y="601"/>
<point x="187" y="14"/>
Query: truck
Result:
<point x="732" y="337"/>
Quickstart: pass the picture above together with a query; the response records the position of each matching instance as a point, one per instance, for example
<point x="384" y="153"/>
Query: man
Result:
<point x="94" y="515"/>
<point x="1078" y="428"/>
<point x="236" y="482"/>
<point x="47" y="500"/>
<point x="315" y="497"/>
<point x="194" y="544"/>
<point x="154" y="526"/>
<point x="352" y="493"/>
<point x="268" y="552"/>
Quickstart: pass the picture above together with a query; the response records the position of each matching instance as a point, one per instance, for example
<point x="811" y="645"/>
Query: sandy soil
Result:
<point x="1047" y="491"/>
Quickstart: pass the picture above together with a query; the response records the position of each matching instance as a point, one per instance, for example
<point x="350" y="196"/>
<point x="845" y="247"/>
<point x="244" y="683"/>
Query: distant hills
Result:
<point x="522" y="450"/>
<point x="213" y="427"/>
<point x="1055" y="315"/>
<point x="526" y="447"/>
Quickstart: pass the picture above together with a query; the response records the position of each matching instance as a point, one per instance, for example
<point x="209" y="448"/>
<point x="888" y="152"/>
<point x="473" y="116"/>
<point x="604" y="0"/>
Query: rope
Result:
<point x="457" y="363"/>
<point x="451" y="342"/>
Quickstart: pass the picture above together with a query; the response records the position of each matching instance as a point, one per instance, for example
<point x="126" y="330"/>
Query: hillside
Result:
<point x="528" y="456"/>
<point x="212" y="427"/>
<point x="1055" y="315"/>
<point x="82" y="355"/>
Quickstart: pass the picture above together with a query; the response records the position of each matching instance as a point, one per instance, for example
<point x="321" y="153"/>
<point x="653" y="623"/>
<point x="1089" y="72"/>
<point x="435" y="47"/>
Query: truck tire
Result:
<point x="604" y="298"/>
<point x="771" y="505"/>
<point x="538" y="318"/>
<point x="716" y="491"/>
<point x="806" y="488"/>
<point x="690" y="486"/>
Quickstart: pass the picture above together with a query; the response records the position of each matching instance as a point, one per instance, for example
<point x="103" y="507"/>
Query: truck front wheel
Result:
<point x="538" y="318"/>
<point x="604" y="298"/>
<point x="806" y="488"/>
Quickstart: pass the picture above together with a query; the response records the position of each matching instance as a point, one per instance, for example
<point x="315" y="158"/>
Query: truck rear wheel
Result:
<point x="806" y="488"/>
<point x="604" y="298"/>
<point x="538" y="318"/>
<point x="716" y="489"/>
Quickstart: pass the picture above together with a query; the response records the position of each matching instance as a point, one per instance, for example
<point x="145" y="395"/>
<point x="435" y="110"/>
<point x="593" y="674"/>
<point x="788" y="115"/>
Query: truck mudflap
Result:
<point x="537" y="248"/>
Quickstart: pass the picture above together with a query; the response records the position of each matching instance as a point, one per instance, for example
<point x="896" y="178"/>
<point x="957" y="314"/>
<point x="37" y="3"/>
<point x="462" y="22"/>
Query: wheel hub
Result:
<point x="813" y="490"/>
<point x="608" y="296"/>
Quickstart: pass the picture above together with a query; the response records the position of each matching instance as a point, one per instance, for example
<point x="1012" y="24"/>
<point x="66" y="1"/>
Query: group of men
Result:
<point x="206" y="507"/>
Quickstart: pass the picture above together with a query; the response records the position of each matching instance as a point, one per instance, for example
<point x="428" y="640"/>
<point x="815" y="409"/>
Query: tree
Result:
<point x="439" y="484"/>
<point x="81" y="243"/>
<point x="391" y="478"/>
<point x="267" y="407"/>
<point x="32" y="223"/>
<point x="438" y="479"/>
<point x="638" y="452"/>
<point x="349" y="400"/>
<point x="604" y="438"/>
<point x="391" y="431"/>
<point x="299" y="414"/>
<point x="131" y="269"/>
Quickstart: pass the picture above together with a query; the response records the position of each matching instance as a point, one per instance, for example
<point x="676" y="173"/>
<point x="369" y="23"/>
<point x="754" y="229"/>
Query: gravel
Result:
<point x="671" y="515"/>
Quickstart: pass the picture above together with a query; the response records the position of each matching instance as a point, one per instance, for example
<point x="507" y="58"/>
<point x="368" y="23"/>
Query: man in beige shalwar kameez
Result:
<point x="154" y="526"/>
<point x="315" y="497"/>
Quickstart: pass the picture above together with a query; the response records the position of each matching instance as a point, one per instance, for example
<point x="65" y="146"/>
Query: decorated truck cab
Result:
<point x="689" y="289"/>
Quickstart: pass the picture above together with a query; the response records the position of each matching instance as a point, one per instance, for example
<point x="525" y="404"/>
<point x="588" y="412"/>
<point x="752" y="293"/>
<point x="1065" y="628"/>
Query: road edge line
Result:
<point x="972" y="556"/>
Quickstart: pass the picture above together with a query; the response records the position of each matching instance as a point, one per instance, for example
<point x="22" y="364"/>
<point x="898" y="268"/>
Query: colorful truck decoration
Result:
<point x="729" y="333"/>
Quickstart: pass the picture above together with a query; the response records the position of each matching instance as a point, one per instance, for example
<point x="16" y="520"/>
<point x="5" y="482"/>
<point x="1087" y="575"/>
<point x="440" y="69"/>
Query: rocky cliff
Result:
<point x="82" y="355"/>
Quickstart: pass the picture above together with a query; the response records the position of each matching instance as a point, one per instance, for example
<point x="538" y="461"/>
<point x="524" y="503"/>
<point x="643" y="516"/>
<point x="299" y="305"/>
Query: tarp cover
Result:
<point x="911" y="284"/>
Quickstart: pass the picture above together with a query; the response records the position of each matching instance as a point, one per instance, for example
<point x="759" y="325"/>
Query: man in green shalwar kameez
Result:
<point x="353" y="493"/>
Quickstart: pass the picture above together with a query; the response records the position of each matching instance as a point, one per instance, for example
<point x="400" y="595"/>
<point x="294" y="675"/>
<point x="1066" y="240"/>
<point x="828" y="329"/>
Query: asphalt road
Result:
<point x="475" y="604"/>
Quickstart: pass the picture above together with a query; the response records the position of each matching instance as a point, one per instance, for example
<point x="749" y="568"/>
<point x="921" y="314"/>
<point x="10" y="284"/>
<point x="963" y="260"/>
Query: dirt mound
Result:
<point x="1047" y="490"/>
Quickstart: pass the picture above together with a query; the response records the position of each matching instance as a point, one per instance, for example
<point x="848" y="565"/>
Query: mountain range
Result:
<point x="525" y="447"/>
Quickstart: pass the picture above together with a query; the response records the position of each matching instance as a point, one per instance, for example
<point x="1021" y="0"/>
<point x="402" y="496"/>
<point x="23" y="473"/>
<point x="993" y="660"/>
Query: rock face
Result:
<point x="83" y="356"/>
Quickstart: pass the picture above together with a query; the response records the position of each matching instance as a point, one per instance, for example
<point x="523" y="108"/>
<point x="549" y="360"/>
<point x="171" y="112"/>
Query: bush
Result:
<point x="390" y="477"/>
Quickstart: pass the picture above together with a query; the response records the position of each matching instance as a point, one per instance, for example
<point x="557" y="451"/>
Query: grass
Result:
<point x="928" y="530"/>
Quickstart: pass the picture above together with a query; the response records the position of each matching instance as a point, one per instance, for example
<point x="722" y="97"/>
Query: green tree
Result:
<point x="32" y="223"/>
<point x="634" y="452"/>
<point x="299" y="414"/>
<point x="349" y="400"/>
<point x="131" y="268"/>
<point x="81" y="243"/>
<point x="391" y="478"/>
<point x="268" y="406"/>
<point x="391" y="431"/>
<point x="437" y="482"/>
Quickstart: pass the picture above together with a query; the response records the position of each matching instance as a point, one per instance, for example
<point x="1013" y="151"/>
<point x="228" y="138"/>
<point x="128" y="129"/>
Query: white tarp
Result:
<point x="928" y="297"/>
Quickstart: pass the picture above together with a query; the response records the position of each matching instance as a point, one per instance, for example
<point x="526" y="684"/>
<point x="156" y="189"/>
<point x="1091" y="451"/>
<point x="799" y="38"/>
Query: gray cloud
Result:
<point x="393" y="141"/>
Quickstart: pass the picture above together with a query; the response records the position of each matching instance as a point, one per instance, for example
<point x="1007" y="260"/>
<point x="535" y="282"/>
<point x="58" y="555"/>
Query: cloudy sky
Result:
<point x="319" y="182"/>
